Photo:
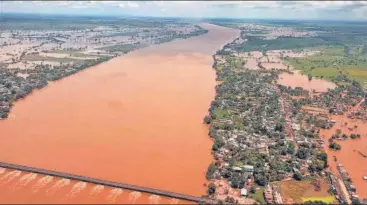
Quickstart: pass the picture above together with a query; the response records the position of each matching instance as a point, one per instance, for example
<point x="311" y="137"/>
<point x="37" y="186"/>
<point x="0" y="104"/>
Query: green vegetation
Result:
<point x="318" y="200"/>
<point x="210" y="171"/>
<point x="76" y="53"/>
<point x="250" y="115"/>
<point x="124" y="48"/>
<point x="335" y="146"/>
<point x="331" y="63"/>
<point x="343" y="46"/>
<point x="219" y="113"/>
<point x="169" y="36"/>
<point x="258" y="196"/>
<point x="258" y="44"/>
<point x="297" y="176"/>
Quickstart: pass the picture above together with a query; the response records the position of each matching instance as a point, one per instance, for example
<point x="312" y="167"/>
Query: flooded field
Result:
<point x="298" y="80"/>
<point x="352" y="151"/>
<point x="136" y="119"/>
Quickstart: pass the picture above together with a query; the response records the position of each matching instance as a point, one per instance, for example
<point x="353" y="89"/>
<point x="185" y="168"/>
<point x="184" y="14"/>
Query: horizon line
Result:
<point x="178" y="17"/>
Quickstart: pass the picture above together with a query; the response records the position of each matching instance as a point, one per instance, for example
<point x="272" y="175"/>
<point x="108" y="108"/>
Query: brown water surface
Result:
<point x="352" y="151"/>
<point x="135" y="119"/>
<point x="298" y="80"/>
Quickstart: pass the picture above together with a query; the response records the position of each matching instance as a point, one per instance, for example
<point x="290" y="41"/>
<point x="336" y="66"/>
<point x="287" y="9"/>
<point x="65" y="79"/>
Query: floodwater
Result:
<point x="352" y="151"/>
<point x="135" y="119"/>
<point x="298" y="80"/>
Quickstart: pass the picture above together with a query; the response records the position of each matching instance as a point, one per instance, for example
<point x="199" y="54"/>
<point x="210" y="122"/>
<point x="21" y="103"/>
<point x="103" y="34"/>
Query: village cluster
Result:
<point x="266" y="132"/>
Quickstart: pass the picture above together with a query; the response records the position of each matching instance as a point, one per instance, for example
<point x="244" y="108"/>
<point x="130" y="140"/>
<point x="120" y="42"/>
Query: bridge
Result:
<point x="103" y="182"/>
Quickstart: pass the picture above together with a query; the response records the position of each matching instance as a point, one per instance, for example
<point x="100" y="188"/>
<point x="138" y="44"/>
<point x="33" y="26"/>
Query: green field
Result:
<point x="333" y="61"/>
<point x="259" y="196"/>
<point x="220" y="114"/>
<point x="327" y="199"/>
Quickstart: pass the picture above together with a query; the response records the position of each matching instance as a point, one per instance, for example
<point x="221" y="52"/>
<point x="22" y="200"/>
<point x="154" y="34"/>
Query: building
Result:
<point x="238" y="169"/>
<point x="248" y="168"/>
<point x="268" y="194"/>
<point x="244" y="192"/>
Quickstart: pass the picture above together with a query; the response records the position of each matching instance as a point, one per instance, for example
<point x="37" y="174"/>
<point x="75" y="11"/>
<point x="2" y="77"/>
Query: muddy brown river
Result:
<point x="135" y="119"/>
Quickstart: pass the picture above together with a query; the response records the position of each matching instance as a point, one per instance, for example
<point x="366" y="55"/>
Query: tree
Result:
<point x="237" y="181"/>
<point x="309" y="77"/>
<point x="230" y="200"/>
<point x="210" y="171"/>
<point x="279" y="127"/>
<point x="260" y="179"/>
<point x="335" y="146"/>
<point x="302" y="153"/>
<point x="297" y="176"/>
<point x="211" y="189"/>
<point x="207" y="119"/>
<point x="323" y="157"/>
<point x="253" y="189"/>
<point x="314" y="202"/>
<point x="355" y="201"/>
<point x="290" y="148"/>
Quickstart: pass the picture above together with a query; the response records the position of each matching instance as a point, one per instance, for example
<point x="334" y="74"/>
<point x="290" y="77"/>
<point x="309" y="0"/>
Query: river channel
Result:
<point x="135" y="119"/>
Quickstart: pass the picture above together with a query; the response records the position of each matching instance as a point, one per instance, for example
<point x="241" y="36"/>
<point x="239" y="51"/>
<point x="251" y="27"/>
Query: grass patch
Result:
<point x="258" y="196"/>
<point x="258" y="44"/>
<point x="293" y="191"/>
<point x="326" y="73"/>
<point x="124" y="48"/>
<point x="327" y="199"/>
<point x="49" y="58"/>
<point x="220" y="67"/>
<point x="359" y="74"/>
<point x="220" y="114"/>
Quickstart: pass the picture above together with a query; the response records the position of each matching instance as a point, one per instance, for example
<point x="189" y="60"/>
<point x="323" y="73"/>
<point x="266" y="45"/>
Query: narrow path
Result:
<point x="287" y="116"/>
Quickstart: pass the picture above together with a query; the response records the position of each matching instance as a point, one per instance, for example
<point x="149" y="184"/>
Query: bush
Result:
<point x="211" y="189"/>
<point x="297" y="176"/>
<point x="335" y="146"/>
<point x="253" y="189"/>
<point x="207" y="119"/>
<point x="260" y="179"/>
<point x="314" y="202"/>
<point x="210" y="171"/>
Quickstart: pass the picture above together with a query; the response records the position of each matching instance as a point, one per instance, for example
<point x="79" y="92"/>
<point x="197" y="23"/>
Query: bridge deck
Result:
<point x="103" y="182"/>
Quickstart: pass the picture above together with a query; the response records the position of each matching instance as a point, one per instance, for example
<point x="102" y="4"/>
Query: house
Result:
<point x="248" y="168"/>
<point x="296" y="126"/>
<point x="238" y="169"/>
<point x="243" y="192"/>
<point x="268" y="194"/>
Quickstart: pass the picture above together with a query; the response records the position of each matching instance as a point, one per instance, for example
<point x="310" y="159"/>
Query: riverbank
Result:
<point x="16" y="83"/>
